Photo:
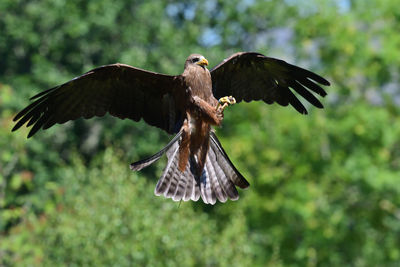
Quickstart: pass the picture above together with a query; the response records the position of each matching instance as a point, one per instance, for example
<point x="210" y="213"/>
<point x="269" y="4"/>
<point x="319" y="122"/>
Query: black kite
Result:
<point x="185" y="105"/>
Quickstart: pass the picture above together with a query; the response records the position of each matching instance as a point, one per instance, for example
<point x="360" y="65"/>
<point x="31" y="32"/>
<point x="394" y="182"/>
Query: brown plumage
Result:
<point x="183" y="104"/>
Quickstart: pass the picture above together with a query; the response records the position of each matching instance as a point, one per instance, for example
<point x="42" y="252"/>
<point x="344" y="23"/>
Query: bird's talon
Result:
<point x="230" y="100"/>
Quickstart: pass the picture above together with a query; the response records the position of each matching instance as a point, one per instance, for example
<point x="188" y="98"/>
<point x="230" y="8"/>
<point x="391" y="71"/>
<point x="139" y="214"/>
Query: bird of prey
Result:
<point x="187" y="105"/>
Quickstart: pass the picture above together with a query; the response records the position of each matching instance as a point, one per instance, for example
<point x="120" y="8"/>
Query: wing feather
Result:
<point x="301" y="90"/>
<point x="121" y="90"/>
<point x="252" y="76"/>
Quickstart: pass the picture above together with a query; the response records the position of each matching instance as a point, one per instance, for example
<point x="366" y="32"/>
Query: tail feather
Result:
<point x="190" y="189"/>
<point x="215" y="172"/>
<point x="180" y="190"/>
<point x="226" y="184"/>
<point x="206" y="190"/>
<point x="217" y="181"/>
<point x="138" y="165"/>
<point x="226" y="164"/>
<point x="163" y="184"/>
<point x="190" y="175"/>
<point x="174" y="180"/>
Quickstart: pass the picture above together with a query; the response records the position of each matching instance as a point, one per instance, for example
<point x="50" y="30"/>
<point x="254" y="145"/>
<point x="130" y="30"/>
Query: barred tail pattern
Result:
<point x="217" y="182"/>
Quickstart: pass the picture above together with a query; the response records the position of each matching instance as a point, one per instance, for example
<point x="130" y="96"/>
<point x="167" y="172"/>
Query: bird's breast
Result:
<point x="193" y="124"/>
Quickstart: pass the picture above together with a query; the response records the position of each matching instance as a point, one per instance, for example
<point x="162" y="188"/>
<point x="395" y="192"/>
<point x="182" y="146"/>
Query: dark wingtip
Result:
<point x="319" y="79"/>
<point x="31" y="133"/>
<point x="15" y="128"/>
<point x="43" y="93"/>
<point x="299" y="107"/>
<point x="311" y="75"/>
<point x="20" y="114"/>
<point x="325" y="82"/>
<point x="34" y="129"/>
<point x="302" y="110"/>
<point x="319" y="105"/>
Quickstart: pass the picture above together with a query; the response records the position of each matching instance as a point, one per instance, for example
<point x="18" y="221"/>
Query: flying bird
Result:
<point x="187" y="105"/>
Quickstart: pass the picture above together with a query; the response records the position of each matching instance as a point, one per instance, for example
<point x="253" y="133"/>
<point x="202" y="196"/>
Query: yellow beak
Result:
<point x="202" y="62"/>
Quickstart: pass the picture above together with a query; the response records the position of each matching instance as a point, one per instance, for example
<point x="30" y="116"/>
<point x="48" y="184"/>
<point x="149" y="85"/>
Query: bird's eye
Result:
<point x="195" y="59"/>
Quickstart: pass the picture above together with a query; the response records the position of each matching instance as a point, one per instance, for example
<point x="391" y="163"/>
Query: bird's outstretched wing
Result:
<point x="121" y="90"/>
<point x="252" y="76"/>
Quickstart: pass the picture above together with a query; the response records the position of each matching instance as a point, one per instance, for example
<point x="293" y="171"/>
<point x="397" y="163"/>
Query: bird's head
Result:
<point x="196" y="59"/>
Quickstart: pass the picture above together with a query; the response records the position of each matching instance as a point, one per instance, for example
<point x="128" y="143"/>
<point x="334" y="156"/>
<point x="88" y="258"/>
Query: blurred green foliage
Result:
<point x="324" y="187"/>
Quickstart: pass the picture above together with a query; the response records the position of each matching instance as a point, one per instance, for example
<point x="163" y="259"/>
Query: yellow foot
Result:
<point x="230" y="100"/>
<point x="223" y="102"/>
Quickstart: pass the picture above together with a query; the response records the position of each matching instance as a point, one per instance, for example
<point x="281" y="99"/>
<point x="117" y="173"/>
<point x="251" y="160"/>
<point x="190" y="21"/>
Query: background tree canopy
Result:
<point x="324" y="187"/>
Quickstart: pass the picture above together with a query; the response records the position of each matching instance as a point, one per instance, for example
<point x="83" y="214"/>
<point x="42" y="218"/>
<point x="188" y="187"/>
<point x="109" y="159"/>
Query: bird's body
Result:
<point x="185" y="105"/>
<point x="201" y="114"/>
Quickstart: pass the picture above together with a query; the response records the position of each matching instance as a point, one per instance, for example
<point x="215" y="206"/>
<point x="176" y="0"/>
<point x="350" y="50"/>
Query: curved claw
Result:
<point x="230" y="100"/>
<point x="225" y="101"/>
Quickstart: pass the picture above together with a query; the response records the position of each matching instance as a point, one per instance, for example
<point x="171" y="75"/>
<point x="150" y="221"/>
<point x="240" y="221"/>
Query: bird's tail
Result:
<point x="218" y="180"/>
<point x="138" y="165"/>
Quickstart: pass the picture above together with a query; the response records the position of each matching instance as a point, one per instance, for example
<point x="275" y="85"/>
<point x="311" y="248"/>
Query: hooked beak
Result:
<point x="203" y="62"/>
